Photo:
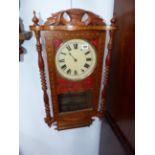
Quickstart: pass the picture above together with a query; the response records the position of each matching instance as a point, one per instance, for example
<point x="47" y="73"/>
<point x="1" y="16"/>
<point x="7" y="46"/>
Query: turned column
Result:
<point x="107" y="67"/>
<point x="48" y="119"/>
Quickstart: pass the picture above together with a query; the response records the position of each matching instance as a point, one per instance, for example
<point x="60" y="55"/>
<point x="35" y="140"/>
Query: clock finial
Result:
<point x="113" y="21"/>
<point x="35" y="19"/>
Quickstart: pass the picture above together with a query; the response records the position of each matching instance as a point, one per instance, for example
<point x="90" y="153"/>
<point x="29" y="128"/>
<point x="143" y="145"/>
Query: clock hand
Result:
<point x="73" y="57"/>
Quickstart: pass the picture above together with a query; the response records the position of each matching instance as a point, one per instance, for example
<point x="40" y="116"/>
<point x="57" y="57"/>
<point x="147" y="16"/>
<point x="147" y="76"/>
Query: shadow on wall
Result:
<point x="109" y="144"/>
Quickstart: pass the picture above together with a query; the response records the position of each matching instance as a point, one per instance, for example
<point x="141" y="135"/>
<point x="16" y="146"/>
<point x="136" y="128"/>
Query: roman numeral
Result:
<point x="69" y="71"/>
<point x="63" y="53"/>
<point x="75" y="46"/>
<point x="63" y="67"/>
<point x="62" y="60"/>
<point x="87" y="52"/>
<point x="75" y="72"/>
<point x="86" y="65"/>
<point x="68" y="47"/>
<point x="88" y="59"/>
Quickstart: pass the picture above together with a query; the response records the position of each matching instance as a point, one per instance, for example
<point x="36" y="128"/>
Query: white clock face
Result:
<point x="75" y="59"/>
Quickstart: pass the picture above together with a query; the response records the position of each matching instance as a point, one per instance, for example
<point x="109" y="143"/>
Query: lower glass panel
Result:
<point x="74" y="101"/>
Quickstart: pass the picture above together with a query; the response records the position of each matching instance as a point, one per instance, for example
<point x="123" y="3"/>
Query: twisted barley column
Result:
<point x="48" y="119"/>
<point x="107" y="68"/>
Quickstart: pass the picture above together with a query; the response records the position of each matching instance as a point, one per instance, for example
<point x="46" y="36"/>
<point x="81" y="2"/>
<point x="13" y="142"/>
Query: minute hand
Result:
<point x="73" y="57"/>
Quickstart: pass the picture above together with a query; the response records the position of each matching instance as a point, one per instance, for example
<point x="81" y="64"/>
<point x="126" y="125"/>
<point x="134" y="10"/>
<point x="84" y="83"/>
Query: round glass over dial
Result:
<point x="75" y="59"/>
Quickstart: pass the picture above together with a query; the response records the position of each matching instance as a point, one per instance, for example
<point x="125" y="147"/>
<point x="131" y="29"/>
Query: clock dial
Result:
<point x="75" y="59"/>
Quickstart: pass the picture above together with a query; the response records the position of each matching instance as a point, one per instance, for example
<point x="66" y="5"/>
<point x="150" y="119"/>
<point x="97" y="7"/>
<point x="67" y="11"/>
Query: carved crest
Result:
<point x="75" y="17"/>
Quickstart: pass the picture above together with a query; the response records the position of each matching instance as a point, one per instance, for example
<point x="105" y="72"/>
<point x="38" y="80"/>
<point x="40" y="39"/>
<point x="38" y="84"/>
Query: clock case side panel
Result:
<point x="82" y="117"/>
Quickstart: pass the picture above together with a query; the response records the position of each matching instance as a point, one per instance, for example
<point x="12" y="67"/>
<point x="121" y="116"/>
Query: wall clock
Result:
<point x="74" y="42"/>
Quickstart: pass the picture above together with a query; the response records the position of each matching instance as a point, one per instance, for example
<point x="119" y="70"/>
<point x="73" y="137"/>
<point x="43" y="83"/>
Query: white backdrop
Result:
<point x="35" y="137"/>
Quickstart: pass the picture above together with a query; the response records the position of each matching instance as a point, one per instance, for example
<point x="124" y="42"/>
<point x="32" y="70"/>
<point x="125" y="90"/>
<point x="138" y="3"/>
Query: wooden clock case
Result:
<point x="60" y="27"/>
